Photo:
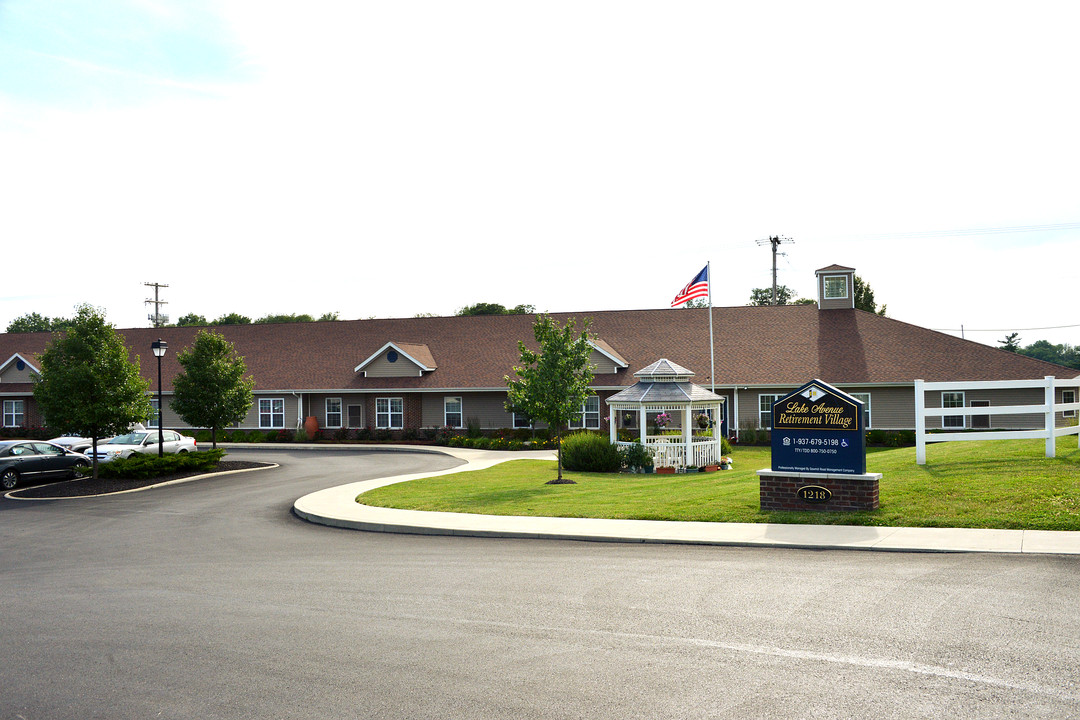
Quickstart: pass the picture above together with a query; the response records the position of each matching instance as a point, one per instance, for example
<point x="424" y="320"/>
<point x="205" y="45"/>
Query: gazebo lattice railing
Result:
<point x="664" y="387"/>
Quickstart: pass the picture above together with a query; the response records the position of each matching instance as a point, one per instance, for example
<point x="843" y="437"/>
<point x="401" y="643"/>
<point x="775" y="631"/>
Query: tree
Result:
<point x="552" y="385"/>
<point x="212" y="391"/>
<point x="88" y="385"/>
<point x="1011" y="342"/>
<point x="763" y="296"/>
<point x="329" y="317"/>
<point x="30" y="322"/>
<point x="697" y="303"/>
<point x="496" y="309"/>
<point x="1065" y="354"/>
<point x="864" y="297"/>
<point x="36" y="322"/>
<point x="191" y="319"/>
<point x="284" y="318"/>
<point x="233" y="319"/>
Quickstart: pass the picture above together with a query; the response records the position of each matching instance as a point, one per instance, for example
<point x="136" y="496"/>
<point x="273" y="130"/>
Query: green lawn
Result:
<point x="1002" y="484"/>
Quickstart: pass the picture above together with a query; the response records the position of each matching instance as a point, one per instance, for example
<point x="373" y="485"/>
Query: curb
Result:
<point x="336" y="507"/>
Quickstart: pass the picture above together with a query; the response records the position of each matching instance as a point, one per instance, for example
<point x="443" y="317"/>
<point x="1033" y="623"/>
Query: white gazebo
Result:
<point x="665" y="388"/>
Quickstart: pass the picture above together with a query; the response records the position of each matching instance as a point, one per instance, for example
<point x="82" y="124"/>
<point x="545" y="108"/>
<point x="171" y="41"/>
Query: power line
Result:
<point x="1011" y="329"/>
<point x="999" y="230"/>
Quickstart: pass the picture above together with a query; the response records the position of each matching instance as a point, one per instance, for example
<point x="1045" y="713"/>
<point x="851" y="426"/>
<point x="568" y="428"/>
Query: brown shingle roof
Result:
<point x="773" y="345"/>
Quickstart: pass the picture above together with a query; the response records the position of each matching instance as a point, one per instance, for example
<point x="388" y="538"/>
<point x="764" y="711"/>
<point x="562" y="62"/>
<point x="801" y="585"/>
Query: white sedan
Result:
<point x="145" y="441"/>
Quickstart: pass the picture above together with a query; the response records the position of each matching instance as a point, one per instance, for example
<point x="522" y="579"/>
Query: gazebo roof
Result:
<point x="665" y="382"/>
<point x="664" y="368"/>
<point x="665" y="392"/>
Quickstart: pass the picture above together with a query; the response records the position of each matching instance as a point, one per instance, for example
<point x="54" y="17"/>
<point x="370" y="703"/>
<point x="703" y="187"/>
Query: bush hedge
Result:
<point x="590" y="452"/>
<point x="143" y="465"/>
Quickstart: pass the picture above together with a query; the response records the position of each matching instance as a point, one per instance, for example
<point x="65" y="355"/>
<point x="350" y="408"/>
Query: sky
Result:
<point x="385" y="159"/>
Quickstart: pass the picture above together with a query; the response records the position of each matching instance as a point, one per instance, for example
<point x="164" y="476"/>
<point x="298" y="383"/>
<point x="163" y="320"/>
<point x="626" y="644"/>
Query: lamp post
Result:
<point x="159" y="346"/>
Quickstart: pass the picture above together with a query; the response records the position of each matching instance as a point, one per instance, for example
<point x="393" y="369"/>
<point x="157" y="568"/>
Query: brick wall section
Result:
<point x="850" y="493"/>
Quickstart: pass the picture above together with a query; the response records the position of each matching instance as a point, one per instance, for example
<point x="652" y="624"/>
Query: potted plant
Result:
<point x="666" y="470"/>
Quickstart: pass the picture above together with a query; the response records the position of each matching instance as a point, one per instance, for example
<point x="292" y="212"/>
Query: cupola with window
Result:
<point x="836" y="288"/>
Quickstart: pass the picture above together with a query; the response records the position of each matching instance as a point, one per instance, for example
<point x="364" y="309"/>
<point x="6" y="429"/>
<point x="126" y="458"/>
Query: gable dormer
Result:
<point x="836" y="288"/>
<point x="398" y="360"/>
<point x="17" y="369"/>
<point x="604" y="359"/>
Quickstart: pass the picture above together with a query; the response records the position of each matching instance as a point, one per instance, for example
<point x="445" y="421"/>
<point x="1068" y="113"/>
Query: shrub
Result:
<point x="589" y="452"/>
<point x="481" y="443"/>
<point x="382" y="434"/>
<point x="236" y="436"/>
<point x="363" y="434"/>
<point x="410" y="434"/>
<point x="473" y="429"/>
<point x="456" y="441"/>
<point x="256" y="436"/>
<point x="144" y="465"/>
<point x="342" y="434"/>
<point x="636" y="455"/>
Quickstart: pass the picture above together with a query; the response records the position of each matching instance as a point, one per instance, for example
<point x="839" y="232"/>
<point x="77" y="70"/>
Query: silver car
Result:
<point x="144" y="441"/>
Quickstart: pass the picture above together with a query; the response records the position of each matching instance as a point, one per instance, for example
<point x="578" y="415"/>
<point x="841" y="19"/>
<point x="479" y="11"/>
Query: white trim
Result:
<point x="17" y="357"/>
<point x="13" y="413"/>
<point x="389" y="413"/>
<point x="825" y="287"/>
<point x="392" y="346"/>
<point x="271" y="413"/>
<point x="619" y="363"/>
<point x="460" y="411"/>
<point x="340" y="412"/>
<point x="963" y="404"/>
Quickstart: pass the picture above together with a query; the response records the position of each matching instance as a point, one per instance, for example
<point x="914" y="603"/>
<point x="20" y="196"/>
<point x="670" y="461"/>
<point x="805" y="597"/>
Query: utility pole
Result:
<point x="775" y="241"/>
<point x="157" y="318"/>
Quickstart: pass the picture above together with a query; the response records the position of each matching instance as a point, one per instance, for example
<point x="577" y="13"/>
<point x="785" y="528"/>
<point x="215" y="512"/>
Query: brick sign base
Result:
<point x="847" y="493"/>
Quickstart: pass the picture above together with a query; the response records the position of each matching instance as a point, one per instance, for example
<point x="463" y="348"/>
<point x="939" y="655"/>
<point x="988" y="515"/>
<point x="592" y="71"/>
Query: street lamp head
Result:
<point x="159" y="346"/>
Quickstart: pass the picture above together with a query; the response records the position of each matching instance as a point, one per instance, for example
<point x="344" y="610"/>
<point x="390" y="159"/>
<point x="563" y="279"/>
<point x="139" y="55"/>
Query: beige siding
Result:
<point x="381" y="367"/>
<point x="12" y="374"/>
<point x="839" y="303"/>
<point x="602" y="365"/>
<point x="486" y="407"/>
<point x="996" y="398"/>
<point x="251" y="422"/>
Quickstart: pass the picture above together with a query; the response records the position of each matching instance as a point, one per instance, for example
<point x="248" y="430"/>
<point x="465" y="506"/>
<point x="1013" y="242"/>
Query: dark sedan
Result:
<point x="29" y="460"/>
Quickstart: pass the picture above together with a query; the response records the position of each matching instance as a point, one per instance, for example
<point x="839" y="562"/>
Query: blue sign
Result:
<point x="819" y="429"/>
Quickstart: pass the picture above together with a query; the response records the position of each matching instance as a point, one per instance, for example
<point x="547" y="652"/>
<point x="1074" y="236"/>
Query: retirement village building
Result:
<point x="405" y="376"/>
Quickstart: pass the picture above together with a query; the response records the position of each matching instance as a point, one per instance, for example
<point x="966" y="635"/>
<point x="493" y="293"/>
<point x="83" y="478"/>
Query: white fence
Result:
<point x="671" y="451"/>
<point x="1048" y="409"/>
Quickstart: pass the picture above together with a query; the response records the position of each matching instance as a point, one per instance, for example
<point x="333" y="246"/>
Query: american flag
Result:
<point x="696" y="288"/>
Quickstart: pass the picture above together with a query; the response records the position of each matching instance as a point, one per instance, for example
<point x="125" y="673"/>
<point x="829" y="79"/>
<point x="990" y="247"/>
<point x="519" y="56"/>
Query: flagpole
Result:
<point x="712" y="360"/>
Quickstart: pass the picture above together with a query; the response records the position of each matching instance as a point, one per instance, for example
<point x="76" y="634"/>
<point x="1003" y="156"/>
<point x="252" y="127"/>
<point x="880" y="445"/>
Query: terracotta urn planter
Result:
<point x="311" y="426"/>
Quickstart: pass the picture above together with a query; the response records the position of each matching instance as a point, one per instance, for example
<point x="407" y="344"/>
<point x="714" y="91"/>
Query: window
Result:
<point x="1068" y="396"/>
<point x="154" y="412"/>
<point x="865" y="398"/>
<point x="835" y="287"/>
<point x="14" y="413"/>
<point x="389" y="413"/>
<point x="765" y="403"/>
<point x="590" y="415"/>
<point x="952" y="400"/>
<point x="333" y="412"/>
<point x="522" y="421"/>
<point x="452" y="412"/>
<point x="356" y="416"/>
<point x="271" y="412"/>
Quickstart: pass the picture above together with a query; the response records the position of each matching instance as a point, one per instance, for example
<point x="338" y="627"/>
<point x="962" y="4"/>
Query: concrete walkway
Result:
<point x="337" y="507"/>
